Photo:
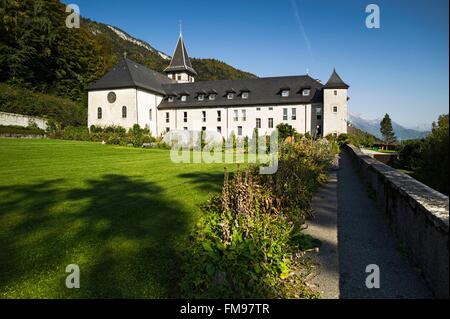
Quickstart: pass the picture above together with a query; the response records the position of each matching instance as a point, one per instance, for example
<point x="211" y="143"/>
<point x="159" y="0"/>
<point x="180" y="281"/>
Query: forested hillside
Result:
<point x="40" y="54"/>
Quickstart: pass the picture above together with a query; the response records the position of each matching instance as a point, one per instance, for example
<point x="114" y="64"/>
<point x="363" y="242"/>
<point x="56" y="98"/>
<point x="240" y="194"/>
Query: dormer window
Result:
<point x="183" y="98"/>
<point x="285" y="93"/>
<point x="170" y="99"/>
<point x="201" y="97"/>
<point x="212" y="97"/>
<point x="230" y="96"/>
<point x="245" y="95"/>
<point x="306" y="92"/>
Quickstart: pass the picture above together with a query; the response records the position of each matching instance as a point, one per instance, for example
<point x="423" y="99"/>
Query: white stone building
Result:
<point x="132" y="94"/>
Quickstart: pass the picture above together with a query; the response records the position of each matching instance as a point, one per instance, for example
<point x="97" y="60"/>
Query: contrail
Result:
<point x="302" y="28"/>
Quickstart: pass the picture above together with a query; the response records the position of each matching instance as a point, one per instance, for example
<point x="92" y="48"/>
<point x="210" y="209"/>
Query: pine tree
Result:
<point x="387" y="131"/>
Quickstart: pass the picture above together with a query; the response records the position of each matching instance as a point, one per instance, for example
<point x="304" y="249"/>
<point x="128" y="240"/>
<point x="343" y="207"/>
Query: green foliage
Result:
<point x="23" y="101"/>
<point x="13" y="129"/>
<point x="247" y="244"/>
<point x="285" y="130"/>
<point x="118" y="135"/>
<point x="429" y="158"/>
<point x="360" y="138"/>
<point x="387" y="131"/>
<point x="212" y="69"/>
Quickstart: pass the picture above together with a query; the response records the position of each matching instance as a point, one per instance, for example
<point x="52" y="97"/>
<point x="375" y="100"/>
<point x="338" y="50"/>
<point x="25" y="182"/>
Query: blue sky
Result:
<point x="400" y="69"/>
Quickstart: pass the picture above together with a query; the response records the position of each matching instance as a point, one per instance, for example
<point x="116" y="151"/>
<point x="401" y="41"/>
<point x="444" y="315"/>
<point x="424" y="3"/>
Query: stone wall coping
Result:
<point x="434" y="204"/>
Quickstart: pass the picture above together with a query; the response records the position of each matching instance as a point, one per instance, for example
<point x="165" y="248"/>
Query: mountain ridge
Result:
<point x="373" y="127"/>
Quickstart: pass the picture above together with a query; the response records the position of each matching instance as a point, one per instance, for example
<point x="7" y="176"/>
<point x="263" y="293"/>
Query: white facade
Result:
<point x="335" y="113"/>
<point x="142" y="108"/>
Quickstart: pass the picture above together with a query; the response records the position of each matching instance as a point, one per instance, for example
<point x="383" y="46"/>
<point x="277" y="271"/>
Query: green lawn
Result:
<point x="121" y="214"/>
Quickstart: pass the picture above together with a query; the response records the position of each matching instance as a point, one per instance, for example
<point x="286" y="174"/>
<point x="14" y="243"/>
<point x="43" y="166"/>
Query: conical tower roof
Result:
<point x="180" y="61"/>
<point x="335" y="82"/>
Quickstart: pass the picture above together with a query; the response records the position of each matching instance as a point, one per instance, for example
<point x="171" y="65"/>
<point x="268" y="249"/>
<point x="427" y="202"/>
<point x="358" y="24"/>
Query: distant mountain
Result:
<point x="120" y="42"/>
<point x="373" y="127"/>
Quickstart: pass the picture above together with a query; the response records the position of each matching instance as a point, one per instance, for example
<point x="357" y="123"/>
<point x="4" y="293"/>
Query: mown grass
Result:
<point x="122" y="214"/>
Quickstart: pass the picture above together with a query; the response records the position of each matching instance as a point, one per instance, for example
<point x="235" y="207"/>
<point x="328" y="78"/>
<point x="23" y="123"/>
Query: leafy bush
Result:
<point x="248" y="242"/>
<point x="14" y="129"/>
<point x="429" y="158"/>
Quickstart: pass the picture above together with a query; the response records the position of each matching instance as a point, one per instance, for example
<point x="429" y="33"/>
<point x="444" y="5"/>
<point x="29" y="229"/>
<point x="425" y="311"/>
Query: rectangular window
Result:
<point x="185" y="128"/>
<point x="294" y="114"/>
<point x="239" y="130"/>
<point x="258" y="123"/>
<point x="285" y="93"/>
<point x="270" y="123"/>
<point x="167" y="117"/>
<point x="270" y="108"/>
<point x="236" y="115"/>
<point x="203" y="128"/>
<point x="335" y="92"/>
<point x="335" y="109"/>
<point x="167" y="129"/>
<point x="183" y="98"/>
<point x="185" y="117"/>
<point x="219" y="129"/>
<point x="203" y="116"/>
<point x="258" y="109"/>
<point x="318" y="117"/>
<point x="285" y="114"/>
<point x="179" y="78"/>
<point x="244" y="115"/>
<point x="306" y="92"/>
<point x="219" y="116"/>
<point x="150" y="114"/>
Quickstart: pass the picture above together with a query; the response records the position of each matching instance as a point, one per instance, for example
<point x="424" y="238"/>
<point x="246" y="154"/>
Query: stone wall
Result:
<point x="418" y="214"/>
<point x="21" y="120"/>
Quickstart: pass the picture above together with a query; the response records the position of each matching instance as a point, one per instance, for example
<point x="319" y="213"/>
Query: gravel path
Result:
<point x="363" y="238"/>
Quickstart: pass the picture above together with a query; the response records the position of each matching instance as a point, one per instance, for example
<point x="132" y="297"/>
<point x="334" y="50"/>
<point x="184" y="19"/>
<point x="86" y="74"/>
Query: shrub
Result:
<point x="247" y="243"/>
<point x="14" y="129"/>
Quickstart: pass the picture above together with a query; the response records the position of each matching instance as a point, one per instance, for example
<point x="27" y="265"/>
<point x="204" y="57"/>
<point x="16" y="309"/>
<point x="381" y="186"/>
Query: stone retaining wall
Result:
<point x="418" y="214"/>
<point x="21" y="120"/>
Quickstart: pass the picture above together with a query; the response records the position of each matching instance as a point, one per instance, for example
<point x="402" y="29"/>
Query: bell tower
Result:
<point x="180" y="68"/>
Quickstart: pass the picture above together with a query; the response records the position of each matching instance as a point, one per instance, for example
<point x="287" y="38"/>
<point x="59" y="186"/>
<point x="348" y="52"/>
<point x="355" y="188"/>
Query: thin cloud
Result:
<point x="302" y="28"/>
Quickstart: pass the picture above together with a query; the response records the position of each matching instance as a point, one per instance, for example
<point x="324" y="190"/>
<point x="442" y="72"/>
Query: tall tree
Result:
<point x="387" y="131"/>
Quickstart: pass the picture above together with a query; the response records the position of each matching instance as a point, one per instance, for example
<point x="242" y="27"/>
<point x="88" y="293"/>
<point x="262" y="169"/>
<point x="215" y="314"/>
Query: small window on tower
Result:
<point x="335" y="92"/>
<point x="335" y="109"/>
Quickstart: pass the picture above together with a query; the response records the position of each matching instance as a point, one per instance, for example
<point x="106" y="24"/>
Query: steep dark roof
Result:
<point x="335" y="82"/>
<point x="263" y="91"/>
<point x="128" y="74"/>
<point x="180" y="60"/>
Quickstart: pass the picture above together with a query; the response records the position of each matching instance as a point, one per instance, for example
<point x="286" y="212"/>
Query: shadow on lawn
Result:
<point x="208" y="182"/>
<point x="122" y="232"/>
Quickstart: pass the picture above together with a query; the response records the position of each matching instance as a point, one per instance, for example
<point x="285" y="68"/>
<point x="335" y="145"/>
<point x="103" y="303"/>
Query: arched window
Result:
<point x="99" y="113"/>
<point x="124" y="111"/>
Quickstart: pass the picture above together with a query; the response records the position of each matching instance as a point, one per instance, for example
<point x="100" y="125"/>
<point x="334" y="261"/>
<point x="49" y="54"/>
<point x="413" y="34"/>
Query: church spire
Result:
<point x="180" y="63"/>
